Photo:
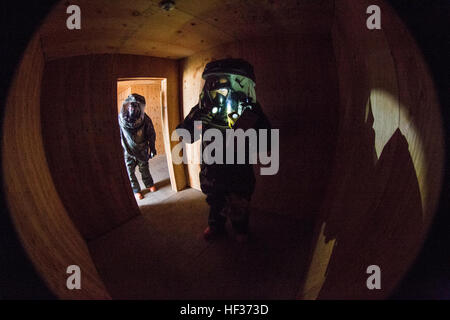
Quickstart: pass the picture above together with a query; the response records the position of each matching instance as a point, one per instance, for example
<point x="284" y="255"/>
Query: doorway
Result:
<point x="154" y="91"/>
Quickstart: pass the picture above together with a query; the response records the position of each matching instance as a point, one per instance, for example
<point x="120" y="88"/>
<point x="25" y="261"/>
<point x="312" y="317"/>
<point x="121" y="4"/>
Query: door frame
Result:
<point x="175" y="181"/>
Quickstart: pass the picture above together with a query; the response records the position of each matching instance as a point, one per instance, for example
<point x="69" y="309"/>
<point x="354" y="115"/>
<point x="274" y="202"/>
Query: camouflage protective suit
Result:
<point x="138" y="140"/>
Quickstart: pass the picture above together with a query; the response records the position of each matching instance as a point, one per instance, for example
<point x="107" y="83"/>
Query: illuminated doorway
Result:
<point x="154" y="91"/>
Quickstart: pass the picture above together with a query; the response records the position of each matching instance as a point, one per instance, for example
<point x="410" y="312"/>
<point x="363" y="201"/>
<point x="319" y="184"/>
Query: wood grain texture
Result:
<point x="81" y="135"/>
<point x="420" y="114"/>
<point x="122" y="94"/>
<point x="141" y="27"/>
<point x="41" y="220"/>
<point x="361" y="147"/>
<point x="388" y="164"/>
<point x="296" y="85"/>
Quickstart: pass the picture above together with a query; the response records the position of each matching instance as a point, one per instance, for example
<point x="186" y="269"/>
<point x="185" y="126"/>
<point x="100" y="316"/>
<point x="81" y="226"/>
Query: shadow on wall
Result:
<point x="377" y="209"/>
<point x="375" y="223"/>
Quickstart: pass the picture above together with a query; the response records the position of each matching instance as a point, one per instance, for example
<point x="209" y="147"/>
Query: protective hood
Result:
<point x="136" y="128"/>
<point x="132" y="113"/>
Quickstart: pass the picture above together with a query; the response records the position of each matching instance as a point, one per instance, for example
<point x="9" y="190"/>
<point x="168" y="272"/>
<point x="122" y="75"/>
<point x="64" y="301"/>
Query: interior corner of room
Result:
<point x="339" y="107"/>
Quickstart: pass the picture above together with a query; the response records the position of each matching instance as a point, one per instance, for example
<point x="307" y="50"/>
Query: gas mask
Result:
<point x="133" y="111"/>
<point x="229" y="89"/>
<point x="225" y="97"/>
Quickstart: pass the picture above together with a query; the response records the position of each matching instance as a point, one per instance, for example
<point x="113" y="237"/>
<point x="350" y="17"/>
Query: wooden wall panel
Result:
<point x="41" y="220"/>
<point x="296" y="84"/>
<point x="122" y="94"/>
<point x="152" y="94"/>
<point x="361" y="138"/>
<point x="420" y="120"/>
<point x="379" y="204"/>
<point x="81" y="135"/>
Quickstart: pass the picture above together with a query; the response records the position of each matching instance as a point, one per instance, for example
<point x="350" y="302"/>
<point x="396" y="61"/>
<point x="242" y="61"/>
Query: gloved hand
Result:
<point x="247" y="120"/>
<point x="152" y="153"/>
<point x="197" y="114"/>
<point x="205" y="117"/>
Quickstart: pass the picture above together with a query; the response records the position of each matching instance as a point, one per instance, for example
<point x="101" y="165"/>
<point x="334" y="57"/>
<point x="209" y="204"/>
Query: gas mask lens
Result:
<point x="225" y="97"/>
<point x="134" y="111"/>
<point x="222" y="91"/>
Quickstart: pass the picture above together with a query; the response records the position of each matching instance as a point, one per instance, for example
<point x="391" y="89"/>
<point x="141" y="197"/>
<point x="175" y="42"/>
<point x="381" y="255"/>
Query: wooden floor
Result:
<point x="161" y="254"/>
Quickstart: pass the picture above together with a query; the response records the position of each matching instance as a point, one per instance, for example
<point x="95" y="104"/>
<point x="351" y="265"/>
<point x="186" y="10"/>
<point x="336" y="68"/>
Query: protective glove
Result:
<point x="247" y="120"/>
<point x="197" y="114"/>
<point x="205" y="117"/>
<point x="152" y="153"/>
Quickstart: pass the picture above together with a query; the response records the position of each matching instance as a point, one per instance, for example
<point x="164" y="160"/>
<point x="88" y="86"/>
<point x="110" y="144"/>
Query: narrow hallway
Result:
<point x="358" y="154"/>
<point x="162" y="255"/>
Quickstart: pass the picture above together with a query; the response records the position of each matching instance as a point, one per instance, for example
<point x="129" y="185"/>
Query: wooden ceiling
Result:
<point x="142" y="27"/>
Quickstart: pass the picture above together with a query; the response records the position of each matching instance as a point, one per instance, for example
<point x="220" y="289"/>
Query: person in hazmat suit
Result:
<point x="138" y="141"/>
<point x="227" y="101"/>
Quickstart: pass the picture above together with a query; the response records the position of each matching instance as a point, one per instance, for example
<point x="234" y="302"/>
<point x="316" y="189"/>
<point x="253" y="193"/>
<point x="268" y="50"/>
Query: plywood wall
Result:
<point x="296" y="84"/>
<point x="42" y="222"/>
<point x="122" y="94"/>
<point x="81" y="135"/>
<point x="382" y="194"/>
